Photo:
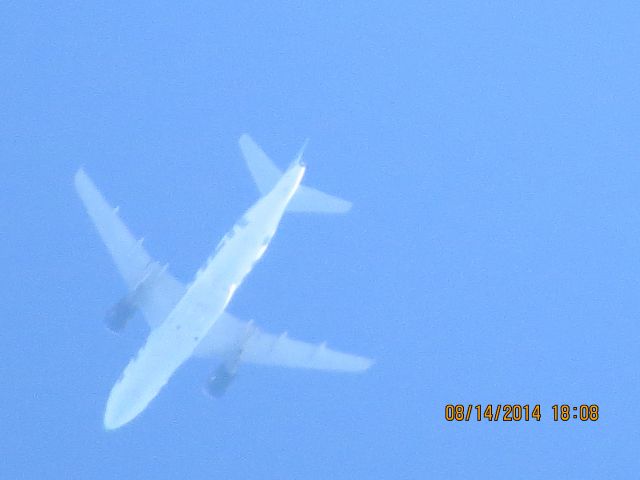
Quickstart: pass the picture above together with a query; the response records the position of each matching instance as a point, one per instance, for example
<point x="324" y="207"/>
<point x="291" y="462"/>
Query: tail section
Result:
<point x="266" y="175"/>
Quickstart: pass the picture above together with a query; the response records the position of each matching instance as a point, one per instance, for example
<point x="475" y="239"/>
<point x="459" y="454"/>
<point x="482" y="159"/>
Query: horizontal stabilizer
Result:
<point x="309" y="199"/>
<point x="266" y="174"/>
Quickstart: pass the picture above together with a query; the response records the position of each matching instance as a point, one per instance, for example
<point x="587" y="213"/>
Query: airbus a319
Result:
<point x="191" y="320"/>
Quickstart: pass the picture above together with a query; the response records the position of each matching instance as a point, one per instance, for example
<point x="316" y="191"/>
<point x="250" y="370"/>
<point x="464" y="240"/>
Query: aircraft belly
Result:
<point x="174" y="341"/>
<point x="167" y="347"/>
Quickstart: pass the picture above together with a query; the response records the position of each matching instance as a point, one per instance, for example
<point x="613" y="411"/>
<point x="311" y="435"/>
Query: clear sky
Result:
<point x="491" y="151"/>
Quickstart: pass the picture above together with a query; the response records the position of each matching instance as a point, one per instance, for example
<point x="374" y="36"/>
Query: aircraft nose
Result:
<point x="110" y="422"/>
<point x="121" y="409"/>
<point x="113" y="418"/>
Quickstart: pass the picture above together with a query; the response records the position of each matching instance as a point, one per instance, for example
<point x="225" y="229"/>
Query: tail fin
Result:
<point x="266" y="175"/>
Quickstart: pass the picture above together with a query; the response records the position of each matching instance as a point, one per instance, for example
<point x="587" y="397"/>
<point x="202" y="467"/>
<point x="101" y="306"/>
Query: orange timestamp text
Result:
<point x="515" y="412"/>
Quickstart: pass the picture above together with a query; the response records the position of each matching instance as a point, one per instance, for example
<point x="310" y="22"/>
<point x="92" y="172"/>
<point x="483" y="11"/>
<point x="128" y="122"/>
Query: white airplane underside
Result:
<point x="191" y="319"/>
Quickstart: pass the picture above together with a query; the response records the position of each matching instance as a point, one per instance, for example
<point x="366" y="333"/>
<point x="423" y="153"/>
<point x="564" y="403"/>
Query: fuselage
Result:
<point x="172" y="343"/>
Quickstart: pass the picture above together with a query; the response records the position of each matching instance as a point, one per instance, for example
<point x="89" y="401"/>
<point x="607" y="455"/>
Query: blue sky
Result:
<point x="491" y="152"/>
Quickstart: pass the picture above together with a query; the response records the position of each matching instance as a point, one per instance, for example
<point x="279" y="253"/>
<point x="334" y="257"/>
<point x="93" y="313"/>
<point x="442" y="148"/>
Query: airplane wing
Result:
<point x="230" y="335"/>
<point x="280" y="350"/>
<point x="161" y="290"/>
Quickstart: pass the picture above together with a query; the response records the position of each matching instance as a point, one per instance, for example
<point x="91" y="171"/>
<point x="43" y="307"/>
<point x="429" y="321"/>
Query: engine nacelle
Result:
<point x="118" y="315"/>
<point x="218" y="383"/>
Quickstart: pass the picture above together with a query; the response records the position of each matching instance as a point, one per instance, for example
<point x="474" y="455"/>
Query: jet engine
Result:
<point x="218" y="383"/>
<point x="118" y="315"/>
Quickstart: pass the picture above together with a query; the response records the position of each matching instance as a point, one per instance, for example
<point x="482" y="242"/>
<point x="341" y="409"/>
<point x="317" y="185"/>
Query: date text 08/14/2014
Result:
<point x="519" y="412"/>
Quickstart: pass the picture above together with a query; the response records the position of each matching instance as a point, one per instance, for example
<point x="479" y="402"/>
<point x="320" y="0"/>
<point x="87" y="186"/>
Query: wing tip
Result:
<point x="79" y="175"/>
<point x="366" y="364"/>
<point x="82" y="181"/>
<point x="343" y="206"/>
<point x="245" y="141"/>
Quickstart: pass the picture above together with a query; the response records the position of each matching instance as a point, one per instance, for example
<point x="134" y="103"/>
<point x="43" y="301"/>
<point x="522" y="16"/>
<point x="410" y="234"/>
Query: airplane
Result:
<point x="192" y="320"/>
